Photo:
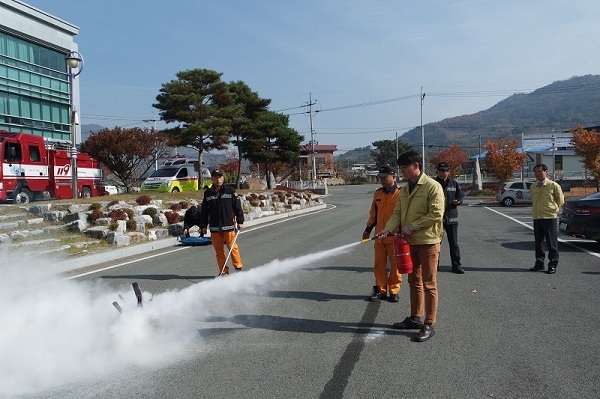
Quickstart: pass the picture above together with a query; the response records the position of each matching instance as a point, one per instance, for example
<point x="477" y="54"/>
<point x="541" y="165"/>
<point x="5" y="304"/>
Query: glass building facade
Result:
<point x="34" y="80"/>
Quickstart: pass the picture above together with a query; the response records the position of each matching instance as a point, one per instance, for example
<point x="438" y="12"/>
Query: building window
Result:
<point x="34" y="89"/>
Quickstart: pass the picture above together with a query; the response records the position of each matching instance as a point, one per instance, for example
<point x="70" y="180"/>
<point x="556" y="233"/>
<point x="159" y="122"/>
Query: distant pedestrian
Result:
<point x="382" y="207"/>
<point x="222" y="212"/>
<point x="547" y="197"/>
<point x="454" y="197"/>
<point x="418" y="213"/>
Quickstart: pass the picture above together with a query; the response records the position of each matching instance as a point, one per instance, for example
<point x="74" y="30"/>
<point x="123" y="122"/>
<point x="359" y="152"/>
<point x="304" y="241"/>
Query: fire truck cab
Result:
<point x="33" y="168"/>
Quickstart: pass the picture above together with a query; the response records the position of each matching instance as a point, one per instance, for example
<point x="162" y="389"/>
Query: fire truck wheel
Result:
<point x="24" y="196"/>
<point x="86" y="192"/>
<point x="175" y="190"/>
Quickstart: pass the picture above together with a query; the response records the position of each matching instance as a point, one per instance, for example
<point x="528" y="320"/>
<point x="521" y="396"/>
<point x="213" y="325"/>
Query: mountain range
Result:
<point x="557" y="107"/>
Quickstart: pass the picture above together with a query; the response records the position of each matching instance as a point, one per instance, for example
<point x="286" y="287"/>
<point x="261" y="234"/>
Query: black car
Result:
<point x="581" y="217"/>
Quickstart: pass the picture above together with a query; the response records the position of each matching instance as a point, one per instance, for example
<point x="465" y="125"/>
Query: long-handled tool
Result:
<point x="230" y="250"/>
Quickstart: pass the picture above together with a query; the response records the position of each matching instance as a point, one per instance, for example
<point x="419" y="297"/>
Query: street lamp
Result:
<point x="553" y="140"/>
<point x="75" y="65"/>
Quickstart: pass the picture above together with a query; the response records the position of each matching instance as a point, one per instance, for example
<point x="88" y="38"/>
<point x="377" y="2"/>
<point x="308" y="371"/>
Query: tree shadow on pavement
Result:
<point x="313" y="296"/>
<point x="311" y="326"/>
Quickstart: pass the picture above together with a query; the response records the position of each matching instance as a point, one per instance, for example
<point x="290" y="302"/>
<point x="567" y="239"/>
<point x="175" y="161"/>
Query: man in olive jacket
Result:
<point x="222" y="212"/>
<point x="418" y="213"/>
<point x="547" y="197"/>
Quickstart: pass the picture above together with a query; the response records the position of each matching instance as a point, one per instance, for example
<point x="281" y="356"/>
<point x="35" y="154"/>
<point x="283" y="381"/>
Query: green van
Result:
<point x="177" y="175"/>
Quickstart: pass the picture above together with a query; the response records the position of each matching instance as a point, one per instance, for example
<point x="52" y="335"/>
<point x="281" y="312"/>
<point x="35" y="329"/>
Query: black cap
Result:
<point x="216" y="172"/>
<point x="386" y="170"/>
<point x="443" y="166"/>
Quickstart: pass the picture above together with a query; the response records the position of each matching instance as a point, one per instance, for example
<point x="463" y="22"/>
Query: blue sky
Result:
<point x="467" y="56"/>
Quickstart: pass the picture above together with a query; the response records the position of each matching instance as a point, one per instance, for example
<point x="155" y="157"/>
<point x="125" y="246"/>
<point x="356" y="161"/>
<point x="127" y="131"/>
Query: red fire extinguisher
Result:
<point x="403" y="260"/>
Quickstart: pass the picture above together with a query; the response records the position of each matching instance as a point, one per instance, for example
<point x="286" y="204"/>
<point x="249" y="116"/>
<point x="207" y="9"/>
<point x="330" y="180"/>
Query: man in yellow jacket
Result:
<point x="419" y="213"/>
<point x="382" y="206"/>
<point x="547" y="197"/>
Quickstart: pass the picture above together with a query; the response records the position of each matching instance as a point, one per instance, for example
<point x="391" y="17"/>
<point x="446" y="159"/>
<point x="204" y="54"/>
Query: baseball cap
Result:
<point x="443" y="166"/>
<point x="216" y="172"/>
<point x="386" y="170"/>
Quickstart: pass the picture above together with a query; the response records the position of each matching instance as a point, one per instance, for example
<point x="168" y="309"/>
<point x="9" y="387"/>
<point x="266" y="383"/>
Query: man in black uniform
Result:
<point x="222" y="213"/>
<point x="454" y="197"/>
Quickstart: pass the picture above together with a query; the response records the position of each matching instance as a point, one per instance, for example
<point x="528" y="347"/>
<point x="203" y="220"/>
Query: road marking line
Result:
<point x="568" y="242"/>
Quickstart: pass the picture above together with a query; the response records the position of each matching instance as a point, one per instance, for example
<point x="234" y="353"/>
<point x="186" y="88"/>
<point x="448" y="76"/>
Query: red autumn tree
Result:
<point x="587" y="146"/>
<point x="503" y="158"/>
<point x="128" y="153"/>
<point x="453" y="156"/>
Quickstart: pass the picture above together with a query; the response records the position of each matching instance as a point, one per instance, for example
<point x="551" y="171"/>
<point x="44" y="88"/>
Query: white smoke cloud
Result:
<point x="59" y="331"/>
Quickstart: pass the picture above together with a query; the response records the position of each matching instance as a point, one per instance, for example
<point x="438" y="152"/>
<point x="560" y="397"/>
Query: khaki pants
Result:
<point x="218" y="241"/>
<point x="384" y="251"/>
<point x="423" y="281"/>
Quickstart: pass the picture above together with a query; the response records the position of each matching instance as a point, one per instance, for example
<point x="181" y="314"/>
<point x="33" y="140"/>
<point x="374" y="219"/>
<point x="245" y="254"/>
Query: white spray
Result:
<point x="58" y="331"/>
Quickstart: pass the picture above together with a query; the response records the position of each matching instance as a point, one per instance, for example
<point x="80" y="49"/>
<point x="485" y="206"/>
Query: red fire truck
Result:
<point x="33" y="168"/>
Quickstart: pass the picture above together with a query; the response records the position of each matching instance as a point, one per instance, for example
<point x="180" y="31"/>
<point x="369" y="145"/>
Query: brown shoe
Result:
<point x="425" y="333"/>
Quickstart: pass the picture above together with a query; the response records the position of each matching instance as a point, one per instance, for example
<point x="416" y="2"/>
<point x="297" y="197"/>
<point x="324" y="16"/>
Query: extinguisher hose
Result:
<point x="375" y="237"/>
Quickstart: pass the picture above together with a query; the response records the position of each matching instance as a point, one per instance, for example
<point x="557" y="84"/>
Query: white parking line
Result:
<point x="568" y="241"/>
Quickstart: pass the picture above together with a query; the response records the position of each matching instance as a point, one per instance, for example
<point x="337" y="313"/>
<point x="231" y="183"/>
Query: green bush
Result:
<point x="131" y="225"/>
<point x="130" y="213"/>
<point x="95" y="206"/>
<point x="151" y="211"/>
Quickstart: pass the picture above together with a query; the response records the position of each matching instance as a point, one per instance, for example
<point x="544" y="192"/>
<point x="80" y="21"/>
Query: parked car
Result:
<point x="581" y="217"/>
<point x="514" y="192"/>
<point x="109" y="189"/>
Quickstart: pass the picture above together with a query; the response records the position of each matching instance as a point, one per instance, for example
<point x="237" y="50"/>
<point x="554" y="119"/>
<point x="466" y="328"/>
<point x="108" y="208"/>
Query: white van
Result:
<point x="176" y="175"/>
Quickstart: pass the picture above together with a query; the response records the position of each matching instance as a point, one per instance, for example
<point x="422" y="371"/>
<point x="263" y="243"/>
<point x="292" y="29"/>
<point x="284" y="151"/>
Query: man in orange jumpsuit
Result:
<point x="382" y="207"/>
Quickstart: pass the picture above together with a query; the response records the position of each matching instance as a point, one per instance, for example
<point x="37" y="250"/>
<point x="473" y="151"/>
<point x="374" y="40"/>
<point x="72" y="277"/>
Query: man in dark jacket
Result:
<point x="454" y="197"/>
<point x="190" y="219"/>
<point x="222" y="212"/>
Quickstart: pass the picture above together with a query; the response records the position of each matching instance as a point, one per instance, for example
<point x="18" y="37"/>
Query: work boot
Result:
<point x="458" y="270"/>
<point x="376" y="295"/>
<point x="537" y="267"/>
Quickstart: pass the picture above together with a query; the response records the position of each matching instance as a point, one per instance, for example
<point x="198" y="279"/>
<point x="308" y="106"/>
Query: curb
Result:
<point x="68" y="264"/>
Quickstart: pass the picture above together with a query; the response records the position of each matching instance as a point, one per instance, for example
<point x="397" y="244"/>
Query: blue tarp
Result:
<point x="194" y="241"/>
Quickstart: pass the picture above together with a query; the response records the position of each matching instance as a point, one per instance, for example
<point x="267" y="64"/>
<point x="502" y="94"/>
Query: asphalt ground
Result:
<point x="301" y="328"/>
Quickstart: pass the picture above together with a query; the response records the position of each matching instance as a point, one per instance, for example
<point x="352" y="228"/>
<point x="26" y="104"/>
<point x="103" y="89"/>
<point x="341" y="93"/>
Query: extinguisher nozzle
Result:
<point x="366" y="240"/>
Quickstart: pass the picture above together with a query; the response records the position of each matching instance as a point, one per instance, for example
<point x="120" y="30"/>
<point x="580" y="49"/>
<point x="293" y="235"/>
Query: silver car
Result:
<point x="514" y="192"/>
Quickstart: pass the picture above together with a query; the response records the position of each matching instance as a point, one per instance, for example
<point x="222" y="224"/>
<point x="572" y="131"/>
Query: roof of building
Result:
<point x="319" y="147"/>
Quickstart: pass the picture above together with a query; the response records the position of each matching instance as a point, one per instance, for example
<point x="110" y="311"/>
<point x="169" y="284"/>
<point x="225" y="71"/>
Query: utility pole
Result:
<point x="312" y="141"/>
<point x="524" y="159"/>
<point x="154" y="130"/>
<point x="422" y="129"/>
<point x="397" y="167"/>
